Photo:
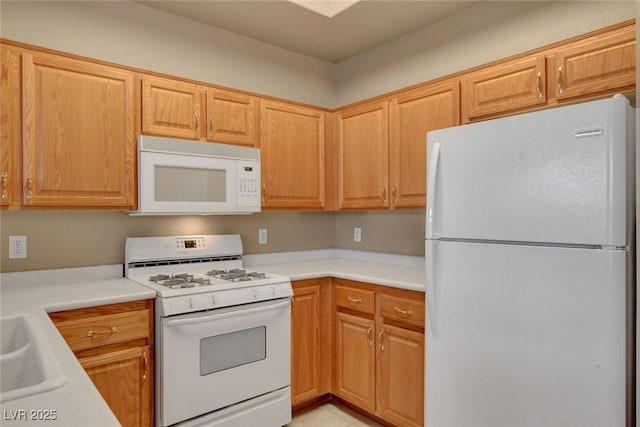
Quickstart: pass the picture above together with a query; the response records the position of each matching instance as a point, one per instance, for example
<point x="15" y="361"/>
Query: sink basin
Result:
<point x="27" y="365"/>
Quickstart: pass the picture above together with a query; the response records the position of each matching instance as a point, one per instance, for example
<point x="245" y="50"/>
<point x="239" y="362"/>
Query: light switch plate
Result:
<point x="262" y="236"/>
<point x="357" y="234"/>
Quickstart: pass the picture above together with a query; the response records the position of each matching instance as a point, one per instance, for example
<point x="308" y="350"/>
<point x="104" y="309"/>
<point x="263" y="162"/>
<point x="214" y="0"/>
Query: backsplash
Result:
<point x="69" y="238"/>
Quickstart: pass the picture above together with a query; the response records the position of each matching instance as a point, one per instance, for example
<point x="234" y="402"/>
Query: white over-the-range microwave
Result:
<point x="179" y="177"/>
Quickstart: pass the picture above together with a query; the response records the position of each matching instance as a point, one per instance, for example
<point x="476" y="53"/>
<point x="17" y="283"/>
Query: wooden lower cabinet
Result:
<point x="114" y="344"/>
<point x="310" y="340"/>
<point x="355" y="360"/>
<point x="401" y="376"/>
<point x="379" y="358"/>
<point x="120" y="377"/>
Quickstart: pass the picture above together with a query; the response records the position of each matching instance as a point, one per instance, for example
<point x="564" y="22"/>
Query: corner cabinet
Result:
<point x="292" y="146"/>
<point x="363" y="156"/>
<point x="310" y="340"/>
<point x="78" y="145"/>
<point x="412" y="115"/>
<point x="379" y="351"/>
<point x="114" y="344"/>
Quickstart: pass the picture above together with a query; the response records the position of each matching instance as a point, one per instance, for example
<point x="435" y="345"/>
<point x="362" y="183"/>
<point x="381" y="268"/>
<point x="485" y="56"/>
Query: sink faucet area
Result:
<point x="27" y="365"/>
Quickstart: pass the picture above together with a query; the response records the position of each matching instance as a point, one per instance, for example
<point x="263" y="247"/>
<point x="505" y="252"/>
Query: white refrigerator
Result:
<point x="530" y="282"/>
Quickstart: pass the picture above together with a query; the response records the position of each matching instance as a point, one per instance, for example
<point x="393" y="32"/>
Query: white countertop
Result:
<point x="77" y="402"/>
<point x="398" y="271"/>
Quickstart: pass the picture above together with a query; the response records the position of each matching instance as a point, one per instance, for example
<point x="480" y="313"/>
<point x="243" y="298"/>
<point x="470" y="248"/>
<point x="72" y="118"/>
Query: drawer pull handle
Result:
<point x="407" y="313"/>
<point x="101" y="333"/>
<point x="381" y="339"/>
<point x="369" y="337"/>
<point x="354" y="300"/>
<point x="146" y="366"/>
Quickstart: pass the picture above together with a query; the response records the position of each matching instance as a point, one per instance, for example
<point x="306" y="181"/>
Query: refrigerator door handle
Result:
<point x="430" y="286"/>
<point x="431" y="188"/>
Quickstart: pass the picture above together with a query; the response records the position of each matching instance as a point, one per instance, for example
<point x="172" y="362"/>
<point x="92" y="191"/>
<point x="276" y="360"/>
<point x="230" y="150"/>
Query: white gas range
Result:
<point x="218" y="327"/>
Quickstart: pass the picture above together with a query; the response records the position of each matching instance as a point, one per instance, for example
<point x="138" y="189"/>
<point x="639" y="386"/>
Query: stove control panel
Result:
<point x="190" y="243"/>
<point x="170" y="306"/>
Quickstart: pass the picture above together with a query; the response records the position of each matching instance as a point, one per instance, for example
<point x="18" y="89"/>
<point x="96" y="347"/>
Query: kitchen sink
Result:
<point x="27" y="364"/>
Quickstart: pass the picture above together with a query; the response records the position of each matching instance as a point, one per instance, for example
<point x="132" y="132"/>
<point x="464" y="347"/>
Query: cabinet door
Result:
<point x="78" y="141"/>
<point x="9" y="128"/>
<point x="305" y="344"/>
<point x="123" y="379"/>
<point x="232" y="118"/>
<point x="292" y="146"/>
<point x="401" y="376"/>
<point x="355" y="360"/>
<point x="505" y="87"/>
<point x="170" y="108"/>
<point x="363" y="157"/>
<point x="413" y="114"/>
<point x="597" y="65"/>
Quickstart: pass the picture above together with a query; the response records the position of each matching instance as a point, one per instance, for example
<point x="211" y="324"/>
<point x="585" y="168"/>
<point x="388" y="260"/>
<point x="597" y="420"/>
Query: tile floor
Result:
<point x="331" y="415"/>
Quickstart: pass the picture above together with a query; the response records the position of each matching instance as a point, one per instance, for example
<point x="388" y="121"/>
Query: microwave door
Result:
<point x="171" y="183"/>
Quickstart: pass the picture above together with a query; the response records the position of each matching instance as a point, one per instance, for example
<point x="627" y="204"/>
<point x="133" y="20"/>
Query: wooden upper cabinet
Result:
<point x="78" y="138"/>
<point x="504" y="87"/>
<point x="292" y="145"/>
<point x="413" y="114"/>
<point x="602" y="64"/>
<point x="170" y="108"/>
<point x="10" y="173"/>
<point x="232" y="118"/>
<point x="363" y="156"/>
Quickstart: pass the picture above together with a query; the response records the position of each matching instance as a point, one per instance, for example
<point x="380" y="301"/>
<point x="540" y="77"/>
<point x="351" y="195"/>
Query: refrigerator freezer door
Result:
<point x="554" y="176"/>
<point x="526" y="336"/>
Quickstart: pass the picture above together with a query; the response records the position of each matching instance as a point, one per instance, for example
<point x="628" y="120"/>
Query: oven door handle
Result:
<point x="240" y="312"/>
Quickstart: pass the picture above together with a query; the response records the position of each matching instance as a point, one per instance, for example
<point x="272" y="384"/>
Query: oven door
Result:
<point x="210" y="360"/>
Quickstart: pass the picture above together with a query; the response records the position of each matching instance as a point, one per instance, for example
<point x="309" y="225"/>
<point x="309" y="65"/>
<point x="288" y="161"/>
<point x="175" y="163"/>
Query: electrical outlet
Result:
<point x="17" y="247"/>
<point x="357" y="234"/>
<point x="262" y="236"/>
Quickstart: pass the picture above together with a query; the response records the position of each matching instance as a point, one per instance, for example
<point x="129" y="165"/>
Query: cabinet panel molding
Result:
<point x="78" y="144"/>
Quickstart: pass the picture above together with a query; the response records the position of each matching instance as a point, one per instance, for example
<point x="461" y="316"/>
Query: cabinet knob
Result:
<point x="210" y="124"/>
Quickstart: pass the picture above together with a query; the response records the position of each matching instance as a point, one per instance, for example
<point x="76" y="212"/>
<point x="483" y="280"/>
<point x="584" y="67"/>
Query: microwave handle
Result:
<point x="213" y="316"/>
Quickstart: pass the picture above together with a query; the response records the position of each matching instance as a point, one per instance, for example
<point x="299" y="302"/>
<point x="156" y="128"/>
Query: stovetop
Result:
<point x="193" y="273"/>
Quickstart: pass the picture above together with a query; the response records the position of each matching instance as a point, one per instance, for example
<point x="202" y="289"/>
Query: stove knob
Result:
<point x="213" y="299"/>
<point x="188" y="302"/>
<point x="273" y="291"/>
<point x="254" y="292"/>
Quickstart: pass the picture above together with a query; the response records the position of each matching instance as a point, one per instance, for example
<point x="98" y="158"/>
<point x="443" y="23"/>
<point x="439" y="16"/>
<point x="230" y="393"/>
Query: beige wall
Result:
<point x="58" y="238"/>
<point x="130" y="33"/>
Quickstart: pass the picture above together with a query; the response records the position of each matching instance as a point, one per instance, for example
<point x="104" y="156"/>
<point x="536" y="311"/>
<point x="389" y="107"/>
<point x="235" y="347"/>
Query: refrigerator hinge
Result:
<point x="613" y="248"/>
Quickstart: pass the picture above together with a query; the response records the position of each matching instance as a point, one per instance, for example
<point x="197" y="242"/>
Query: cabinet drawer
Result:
<point x="355" y="299"/>
<point x="402" y="310"/>
<point x="85" y="333"/>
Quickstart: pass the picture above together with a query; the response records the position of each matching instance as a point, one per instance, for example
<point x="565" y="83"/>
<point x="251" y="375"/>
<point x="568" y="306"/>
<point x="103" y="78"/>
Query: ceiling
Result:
<point x="354" y="28"/>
